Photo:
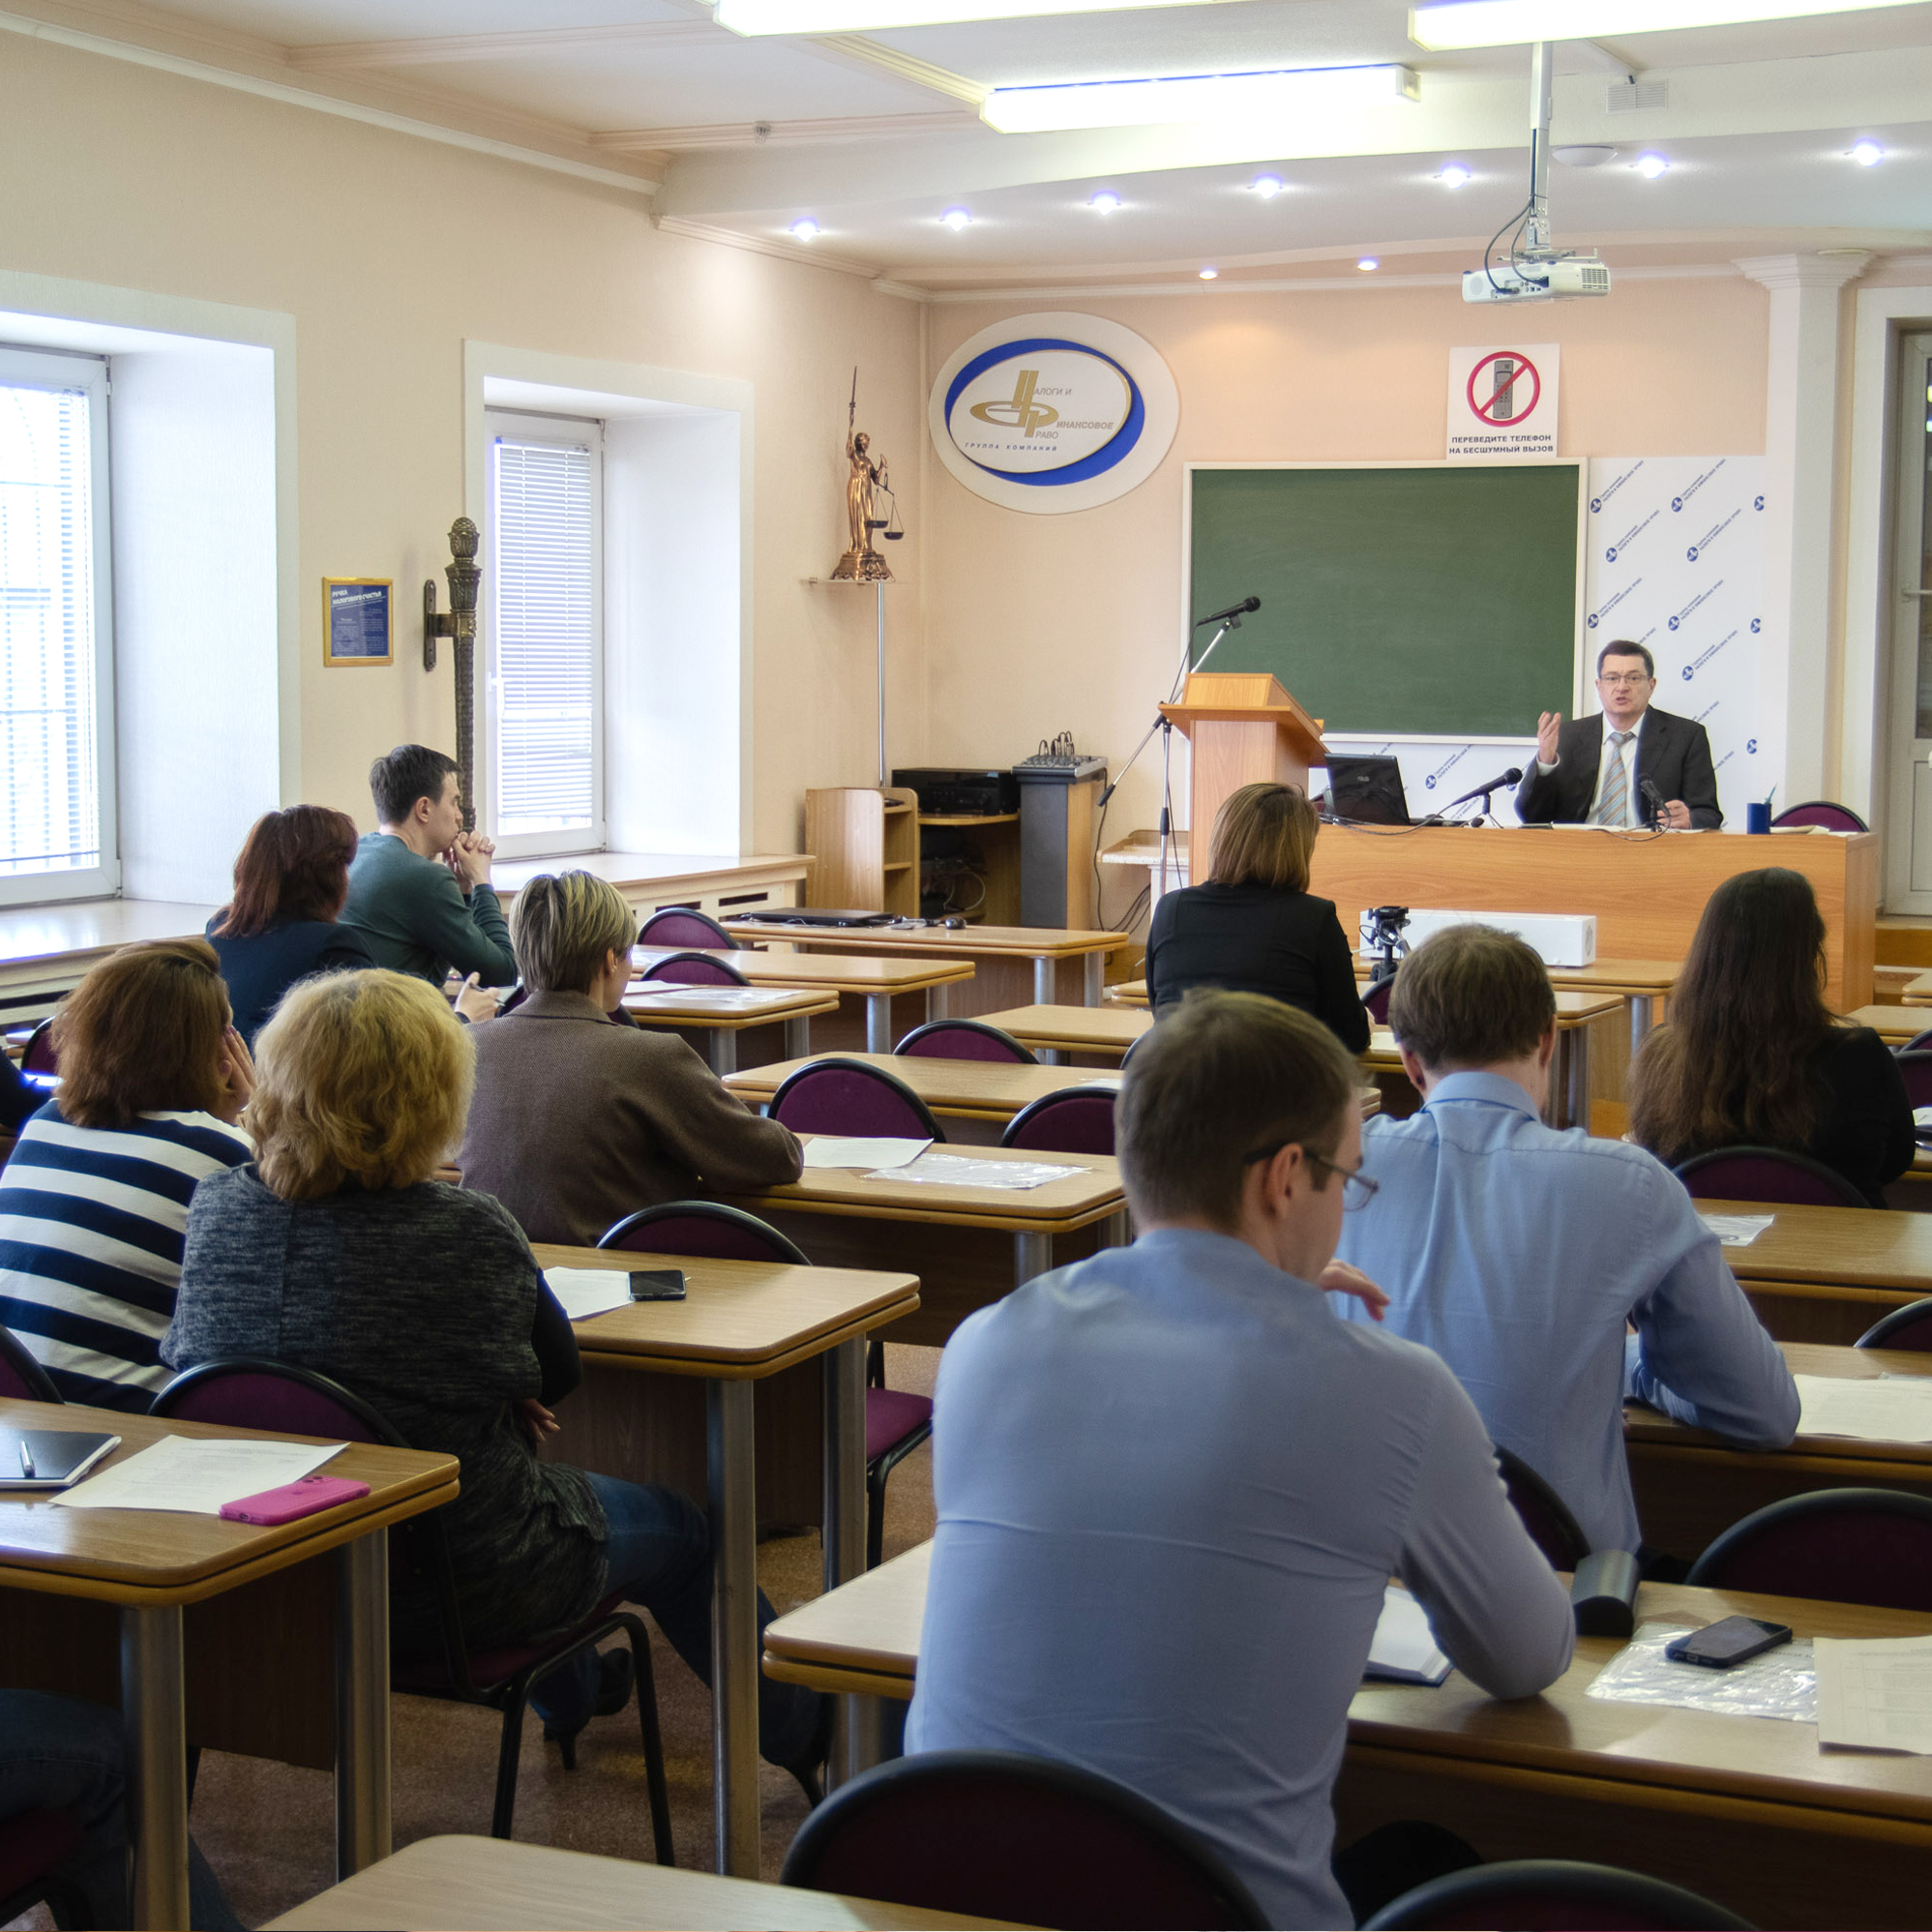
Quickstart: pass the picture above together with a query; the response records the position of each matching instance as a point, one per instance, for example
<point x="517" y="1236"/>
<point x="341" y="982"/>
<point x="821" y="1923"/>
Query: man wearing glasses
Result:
<point x="1594" y="770"/>
<point x="1522" y="1255"/>
<point x="1171" y="1487"/>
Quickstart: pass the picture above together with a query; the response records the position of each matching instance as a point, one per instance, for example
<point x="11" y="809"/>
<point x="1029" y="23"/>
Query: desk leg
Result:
<point x="938" y="1002"/>
<point x="1578" y="1097"/>
<point x="798" y="1038"/>
<point x="1033" y="1254"/>
<point x="1093" y="971"/>
<point x="154" y="1712"/>
<point x="735" y="1626"/>
<point x="1043" y="981"/>
<point x="362" y="1703"/>
<point x="879" y="1021"/>
<point x="1643" y="1013"/>
<point x="1113" y="1230"/>
<point x="721" y="1048"/>
<point x="1050" y="1056"/>
<point x="845" y="1520"/>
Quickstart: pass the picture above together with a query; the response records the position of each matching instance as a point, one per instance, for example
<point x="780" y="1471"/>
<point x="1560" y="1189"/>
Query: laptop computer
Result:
<point x="1368" y="790"/>
<point x="817" y="915"/>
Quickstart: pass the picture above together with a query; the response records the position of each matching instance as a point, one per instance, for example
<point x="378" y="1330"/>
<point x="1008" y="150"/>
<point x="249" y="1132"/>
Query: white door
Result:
<point x="1909" y="858"/>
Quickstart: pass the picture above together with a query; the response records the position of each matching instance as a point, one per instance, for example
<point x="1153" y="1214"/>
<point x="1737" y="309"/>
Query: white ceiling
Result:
<point x="875" y="138"/>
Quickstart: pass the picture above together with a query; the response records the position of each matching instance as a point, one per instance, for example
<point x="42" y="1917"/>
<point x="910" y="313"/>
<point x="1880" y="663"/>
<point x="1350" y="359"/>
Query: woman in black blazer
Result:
<point x="1253" y="926"/>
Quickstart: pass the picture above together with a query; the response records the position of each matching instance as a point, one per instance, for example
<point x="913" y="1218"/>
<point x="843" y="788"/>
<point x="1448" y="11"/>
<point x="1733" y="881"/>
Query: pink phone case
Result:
<point x="304" y="1498"/>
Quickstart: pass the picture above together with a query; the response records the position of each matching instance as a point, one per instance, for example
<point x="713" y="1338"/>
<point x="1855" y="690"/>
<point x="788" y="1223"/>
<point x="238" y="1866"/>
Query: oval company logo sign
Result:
<point x="1054" y="412"/>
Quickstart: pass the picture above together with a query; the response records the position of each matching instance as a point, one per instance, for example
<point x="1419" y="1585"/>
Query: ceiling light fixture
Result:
<point x="1211" y="275"/>
<point x="1267" y="185"/>
<point x="1105" y="202"/>
<point x="1651" y="165"/>
<point x="805" y="228"/>
<point x="1320" y="94"/>
<point x="1495" y="23"/>
<point x="1368" y="263"/>
<point x="1867" y="154"/>
<point x="956" y="218"/>
<point x="1453" y="175"/>
<point x="859" y="17"/>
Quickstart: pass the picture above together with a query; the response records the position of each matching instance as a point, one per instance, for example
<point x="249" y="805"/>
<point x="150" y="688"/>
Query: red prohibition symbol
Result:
<point x="1501" y="408"/>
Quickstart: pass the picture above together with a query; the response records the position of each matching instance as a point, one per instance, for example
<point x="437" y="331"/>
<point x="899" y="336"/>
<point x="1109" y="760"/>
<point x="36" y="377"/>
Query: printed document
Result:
<point x="197" y="1474"/>
<point x="1737" y="1230"/>
<point x="1887" y="1409"/>
<point x="587" y="1291"/>
<point x="843" y="1151"/>
<point x="1875" y="1694"/>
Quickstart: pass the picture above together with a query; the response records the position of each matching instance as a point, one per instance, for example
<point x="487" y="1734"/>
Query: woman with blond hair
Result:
<point x="581" y="1119"/>
<point x="338" y="1251"/>
<point x="1253" y="926"/>
<point x="94" y="1199"/>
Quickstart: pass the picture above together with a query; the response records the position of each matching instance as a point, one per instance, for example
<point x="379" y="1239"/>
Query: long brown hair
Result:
<point x="293" y="865"/>
<point x="1263" y="835"/>
<point x="1737" y="1062"/>
<point x="142" y="1033"/>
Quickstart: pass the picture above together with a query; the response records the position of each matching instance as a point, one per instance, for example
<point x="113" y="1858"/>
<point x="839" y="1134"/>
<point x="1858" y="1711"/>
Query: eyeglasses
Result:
<point x="1623" y="677"/>
<point x="1357" y="1189"/>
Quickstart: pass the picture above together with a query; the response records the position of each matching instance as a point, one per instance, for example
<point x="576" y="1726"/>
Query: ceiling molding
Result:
<point x="780" y="134"/>
<point x="856" y="50"/>
<point x="806" y="254"/>
<point x="1312" y="284"/>
<point x="349" y="56"/>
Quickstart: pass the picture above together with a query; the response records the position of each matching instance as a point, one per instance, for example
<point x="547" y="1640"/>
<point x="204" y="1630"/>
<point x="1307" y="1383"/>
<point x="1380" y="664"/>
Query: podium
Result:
<point x="1244" y="730"/>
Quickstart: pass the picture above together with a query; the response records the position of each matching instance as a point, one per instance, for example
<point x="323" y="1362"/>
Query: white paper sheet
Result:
<point x="196" y="1475"/>
<point x="955" y="1171"/>
<point x="587" y="1291"/>
<point x="1875" y="1694"/>
<point x="1884" y="1410"/>
<point x="1922" y="1116"/>
<point x="841" y="1150"/>
<point x="1737" y="1230"/>
<point x="1404" y="1647"/>
<point x="711" y="998"/>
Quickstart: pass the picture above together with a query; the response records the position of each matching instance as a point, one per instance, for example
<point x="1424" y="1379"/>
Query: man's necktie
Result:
<point x="1614" y="807"/>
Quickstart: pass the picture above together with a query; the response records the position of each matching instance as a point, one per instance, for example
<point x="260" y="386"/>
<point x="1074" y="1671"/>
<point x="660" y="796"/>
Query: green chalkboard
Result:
<point x="1439" y="601"/>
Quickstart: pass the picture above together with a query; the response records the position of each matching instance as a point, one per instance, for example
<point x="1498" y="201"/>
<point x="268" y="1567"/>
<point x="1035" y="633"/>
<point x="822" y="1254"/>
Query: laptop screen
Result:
<point x="1368" y="790"/>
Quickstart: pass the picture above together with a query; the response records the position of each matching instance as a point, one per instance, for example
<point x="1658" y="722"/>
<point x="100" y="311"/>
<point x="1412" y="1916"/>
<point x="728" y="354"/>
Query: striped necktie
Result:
<point x="1614" y="807"/>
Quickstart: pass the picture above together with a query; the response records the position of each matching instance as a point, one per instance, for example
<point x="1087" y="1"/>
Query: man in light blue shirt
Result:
<point x="1172" y="1486"/>
<point x="1519" y="1253"/>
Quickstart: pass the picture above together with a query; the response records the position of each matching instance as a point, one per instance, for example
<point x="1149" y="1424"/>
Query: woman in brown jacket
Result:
<point x="579" y="1119"/>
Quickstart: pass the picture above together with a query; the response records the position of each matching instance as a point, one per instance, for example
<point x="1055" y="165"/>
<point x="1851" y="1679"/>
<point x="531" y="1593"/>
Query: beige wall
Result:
<point x="390" y="251"/>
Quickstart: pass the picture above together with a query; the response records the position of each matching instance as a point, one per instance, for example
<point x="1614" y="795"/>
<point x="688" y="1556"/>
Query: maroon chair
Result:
<point x="1914" y="1068"/>
<point x="693" y="969"/>
<point x="1843" y="1545"/>
<point x="964" y="1040"/>
<point x="249" y="1393"/>
<point x="1543" y="1512"/>
<point x="1376" y="998"/>
<point x="37" y="1054"/>
<point x="1553" y="1895"/>
<point x="1918" y="1044"/>
<point x="1075" y="1121"/>
<point x="684" y="926"/>
<point x="23" y="1379"/>
<point x="1822" y="811"/>
<point x="837" y="1095"/>
<point x="1767" y="1174"/>
<point x="998" y="1835"/>
<point x="32" y="1845"/>
<point x="896" y="1422"/>
<point x="1907" y="1327"/>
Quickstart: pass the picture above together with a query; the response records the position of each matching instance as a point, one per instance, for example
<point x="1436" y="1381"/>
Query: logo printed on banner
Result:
<point x="1677" y="616"/>
<point x="1710" y="537"/>
<point x="1697" y="483"/>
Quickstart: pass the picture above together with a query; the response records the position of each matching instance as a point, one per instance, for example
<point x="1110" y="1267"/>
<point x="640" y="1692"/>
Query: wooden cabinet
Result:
<point x="864" y="841"/>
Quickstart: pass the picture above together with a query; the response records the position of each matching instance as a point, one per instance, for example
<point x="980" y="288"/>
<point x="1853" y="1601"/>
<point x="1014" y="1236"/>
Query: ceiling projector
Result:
<point x="1527" y="279"/>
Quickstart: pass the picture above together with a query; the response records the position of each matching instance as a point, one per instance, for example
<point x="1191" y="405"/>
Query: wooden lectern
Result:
<point x="1243" y="729"/>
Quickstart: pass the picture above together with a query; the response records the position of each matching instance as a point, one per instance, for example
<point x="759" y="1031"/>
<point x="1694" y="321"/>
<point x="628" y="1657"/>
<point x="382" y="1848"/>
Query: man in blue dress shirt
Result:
<point x="1172" y="1486"/>
<point x="1520" y="1254"/>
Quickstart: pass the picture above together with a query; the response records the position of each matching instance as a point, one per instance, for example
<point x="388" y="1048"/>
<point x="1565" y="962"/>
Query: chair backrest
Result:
<point x="1075" y="1120"/>
<point x="964" y="1040"/>
<point x="249" y="1392"/>
<point x="843" y="1096"/>
<point x="1822" y="811"/>
<point x="705" y="1228"/>
<point x="684" y="926"/>
<point x="1907" y="1327"/>
<point x="1844" y="1545"/>
<point x="1767" y="1174"/>
<point x="693" y="969"/>
<point x="1376" y="998"/>
<point x="1134" y="1045"/>
<point x="21" y="1377"/>
<point x="1915" y="1067"/>
<point x="1545" y="1515"/>
<point x="1553" y="1895"/>
<point x="997" y="1834"/>
<point x="37" y="1054"/>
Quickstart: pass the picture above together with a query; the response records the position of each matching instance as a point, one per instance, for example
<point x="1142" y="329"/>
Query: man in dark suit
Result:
<point x="1594" y="770"/>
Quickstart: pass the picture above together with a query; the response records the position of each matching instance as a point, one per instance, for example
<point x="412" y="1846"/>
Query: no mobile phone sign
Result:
<point x="1503" y="402"/>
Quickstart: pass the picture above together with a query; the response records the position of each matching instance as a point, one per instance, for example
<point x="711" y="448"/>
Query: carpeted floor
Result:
<point x="268" y="1829"/>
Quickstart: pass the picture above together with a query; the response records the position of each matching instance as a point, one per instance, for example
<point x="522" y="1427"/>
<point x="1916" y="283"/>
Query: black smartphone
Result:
<point x="1718" y="1646"/>
<point x="657" y="1284"/>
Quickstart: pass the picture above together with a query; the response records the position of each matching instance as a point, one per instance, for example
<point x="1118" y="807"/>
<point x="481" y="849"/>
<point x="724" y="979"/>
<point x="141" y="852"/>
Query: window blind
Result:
<point x="545" y="632"/>
<point x="50" y="804"/>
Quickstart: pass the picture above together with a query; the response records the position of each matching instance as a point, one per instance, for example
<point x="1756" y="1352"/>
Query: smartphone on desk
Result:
<point x="1730" y="1641"/>
<point x="657" y="1284"/>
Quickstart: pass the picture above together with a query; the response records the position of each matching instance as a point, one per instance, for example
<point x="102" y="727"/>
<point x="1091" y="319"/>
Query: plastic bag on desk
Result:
<point x="1781" y="1683"/>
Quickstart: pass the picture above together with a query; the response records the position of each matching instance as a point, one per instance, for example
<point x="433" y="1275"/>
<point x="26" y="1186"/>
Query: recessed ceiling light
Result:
<point x="1453" y="175"/>
<point x="1367" y="262"/>
<point x="1494" y="23"/>
<point x="1105" y="202"/>
<point x="1267" y="185"/>
<point x="858" y="17"/>
<point x="1310" y="96"/>
<point x="1211" y="275"/>
<point x="1651" y="165"/>
<point x="956" y="218"/>
<point x="805" y="228"/>
<point x="1867" y="154"/>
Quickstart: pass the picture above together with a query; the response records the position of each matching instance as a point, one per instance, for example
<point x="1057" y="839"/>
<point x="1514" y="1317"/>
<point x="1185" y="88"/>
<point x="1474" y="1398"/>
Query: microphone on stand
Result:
<point x="1233" y="613"/>
<point x="1659" y="811"/>
<point x="1513" y="776"/>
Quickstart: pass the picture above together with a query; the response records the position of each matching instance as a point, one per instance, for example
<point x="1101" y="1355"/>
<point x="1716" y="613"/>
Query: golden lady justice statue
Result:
<point x="867" y="484"/>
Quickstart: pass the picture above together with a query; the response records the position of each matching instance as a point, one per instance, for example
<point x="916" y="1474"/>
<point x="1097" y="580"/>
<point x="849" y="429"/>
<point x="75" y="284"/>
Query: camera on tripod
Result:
<point x="1382" y="928"/>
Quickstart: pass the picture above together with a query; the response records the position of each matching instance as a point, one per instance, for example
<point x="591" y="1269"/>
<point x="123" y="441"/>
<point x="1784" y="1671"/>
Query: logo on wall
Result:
<point x="1054" y="412"/>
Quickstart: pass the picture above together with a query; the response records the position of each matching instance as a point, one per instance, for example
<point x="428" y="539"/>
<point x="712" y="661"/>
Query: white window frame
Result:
<point x="53" y="368"/>
<point x="565" y="433"/>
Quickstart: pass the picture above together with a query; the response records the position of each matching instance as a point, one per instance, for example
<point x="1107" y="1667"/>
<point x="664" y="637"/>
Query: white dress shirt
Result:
<point x="1633" y="806"/>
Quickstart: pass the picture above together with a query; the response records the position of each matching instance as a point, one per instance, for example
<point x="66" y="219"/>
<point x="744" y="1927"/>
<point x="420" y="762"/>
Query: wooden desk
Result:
<point x="486" y="1885"/>
<point x="1918" y="992"/>
<point x="987" y="1092"/>
<point x="1055" y="1031"/>
<point x="1894" y="1025"/>
<point x="878" y="982"/>
<point x="146" y="1567"/>
<point x="1641" y="982"/>
<point x="723" y="1012"/>
<point x="1747" y="1810"/>
<point x="968" y="1245"/>
<point x="741" y="1322"/>
<point x="1001" y="955"/>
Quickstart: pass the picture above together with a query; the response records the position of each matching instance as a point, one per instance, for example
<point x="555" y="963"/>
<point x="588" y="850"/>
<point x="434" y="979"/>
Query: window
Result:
<point x="546" y="616"/>
<point x="56" y="662"/>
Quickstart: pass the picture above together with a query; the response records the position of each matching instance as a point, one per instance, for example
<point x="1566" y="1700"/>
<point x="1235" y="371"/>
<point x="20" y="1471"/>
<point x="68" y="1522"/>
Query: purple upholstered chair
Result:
<point x="1918" y="1044"/>
<point x="1907" y="1327"/>
<point x="1543" y="1512"/>
<point x="964" y="1040"/>
<point x="997" y="1834"/>
<point x="1915" y="1066"/>
<point x="837" y="1095"/>
<point x="1376" y="998"/>
<point x="1767" y="1174"/>
<point x="249" y="1393"/>
<point x="37" y="1054"/>
<point x="1822" y="811"/>
<point x="1843" y="1545"/>
<point x="23" y="1379"/>
<point x="32" y="1845"/>
<point x="1075" y="1121"/>
<point x="693" y="969"/>
<point x="684" y="926"/>
<point x="1553" y="1895"/>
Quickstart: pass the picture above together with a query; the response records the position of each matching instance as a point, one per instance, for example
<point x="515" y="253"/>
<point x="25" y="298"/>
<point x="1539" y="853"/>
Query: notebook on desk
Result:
<point x="50" y="1458"/>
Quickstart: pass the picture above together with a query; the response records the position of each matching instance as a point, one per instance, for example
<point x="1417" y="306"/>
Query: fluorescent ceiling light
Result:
<point x="1495" y="23"/>
<point x="1292" y="92"/>
<point x="859" y="17"/>
<point x="1455" y="175"/>
<point x="1368" y="263"/>
<point x="1211" y="275"/>
<point x="1267" y="185"/>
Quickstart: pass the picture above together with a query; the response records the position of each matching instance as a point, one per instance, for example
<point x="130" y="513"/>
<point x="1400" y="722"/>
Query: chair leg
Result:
<point x="655" y="1786"/>
<point x="508" y="1754"/>
<point x="875" y="1363"/>
<point x="874" y="1518"/>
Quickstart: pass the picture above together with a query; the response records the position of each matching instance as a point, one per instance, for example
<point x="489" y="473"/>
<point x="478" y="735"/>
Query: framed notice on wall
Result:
<point x="356" y="620"/>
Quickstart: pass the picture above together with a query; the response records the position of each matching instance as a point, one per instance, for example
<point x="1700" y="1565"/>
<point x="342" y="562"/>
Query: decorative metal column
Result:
<point x="459" y="623"/>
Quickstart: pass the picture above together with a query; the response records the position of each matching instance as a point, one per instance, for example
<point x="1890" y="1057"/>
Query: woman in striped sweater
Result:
<point x="94" y="1199"/>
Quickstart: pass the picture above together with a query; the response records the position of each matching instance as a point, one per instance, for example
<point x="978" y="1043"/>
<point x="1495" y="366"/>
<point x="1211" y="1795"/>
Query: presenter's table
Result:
<point x="721" y="1013"/>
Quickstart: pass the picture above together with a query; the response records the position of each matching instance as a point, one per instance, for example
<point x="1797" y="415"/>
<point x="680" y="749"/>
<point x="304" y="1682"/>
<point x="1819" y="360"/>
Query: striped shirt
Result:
<point x="91" y="1226"/>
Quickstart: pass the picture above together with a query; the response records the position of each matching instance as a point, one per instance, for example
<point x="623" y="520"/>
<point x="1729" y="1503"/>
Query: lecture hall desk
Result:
<point x="1746" y="1810"/>
<point x="216" y="1633"/>
<point x="1894" y="1025"/>
<point x="720" y="1014"/>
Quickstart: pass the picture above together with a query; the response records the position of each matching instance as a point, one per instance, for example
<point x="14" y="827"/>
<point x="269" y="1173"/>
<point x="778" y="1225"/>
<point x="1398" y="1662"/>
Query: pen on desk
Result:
<point x="26" y="1459"/>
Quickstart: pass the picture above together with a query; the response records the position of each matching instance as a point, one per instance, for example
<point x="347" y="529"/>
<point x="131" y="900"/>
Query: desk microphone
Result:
<point x="1513" y="776"/>
<point x="1233" y="613"/>
<point x="1654" y="799"/>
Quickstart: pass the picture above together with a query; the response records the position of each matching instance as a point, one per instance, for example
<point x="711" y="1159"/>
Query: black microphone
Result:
<point x="1233" y="613"/>
<point x="1513" y="776"/>
<point x="1660" y="812"/>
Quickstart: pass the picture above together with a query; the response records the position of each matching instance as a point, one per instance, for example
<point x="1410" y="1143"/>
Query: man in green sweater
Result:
<point x="419" y="889"/>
